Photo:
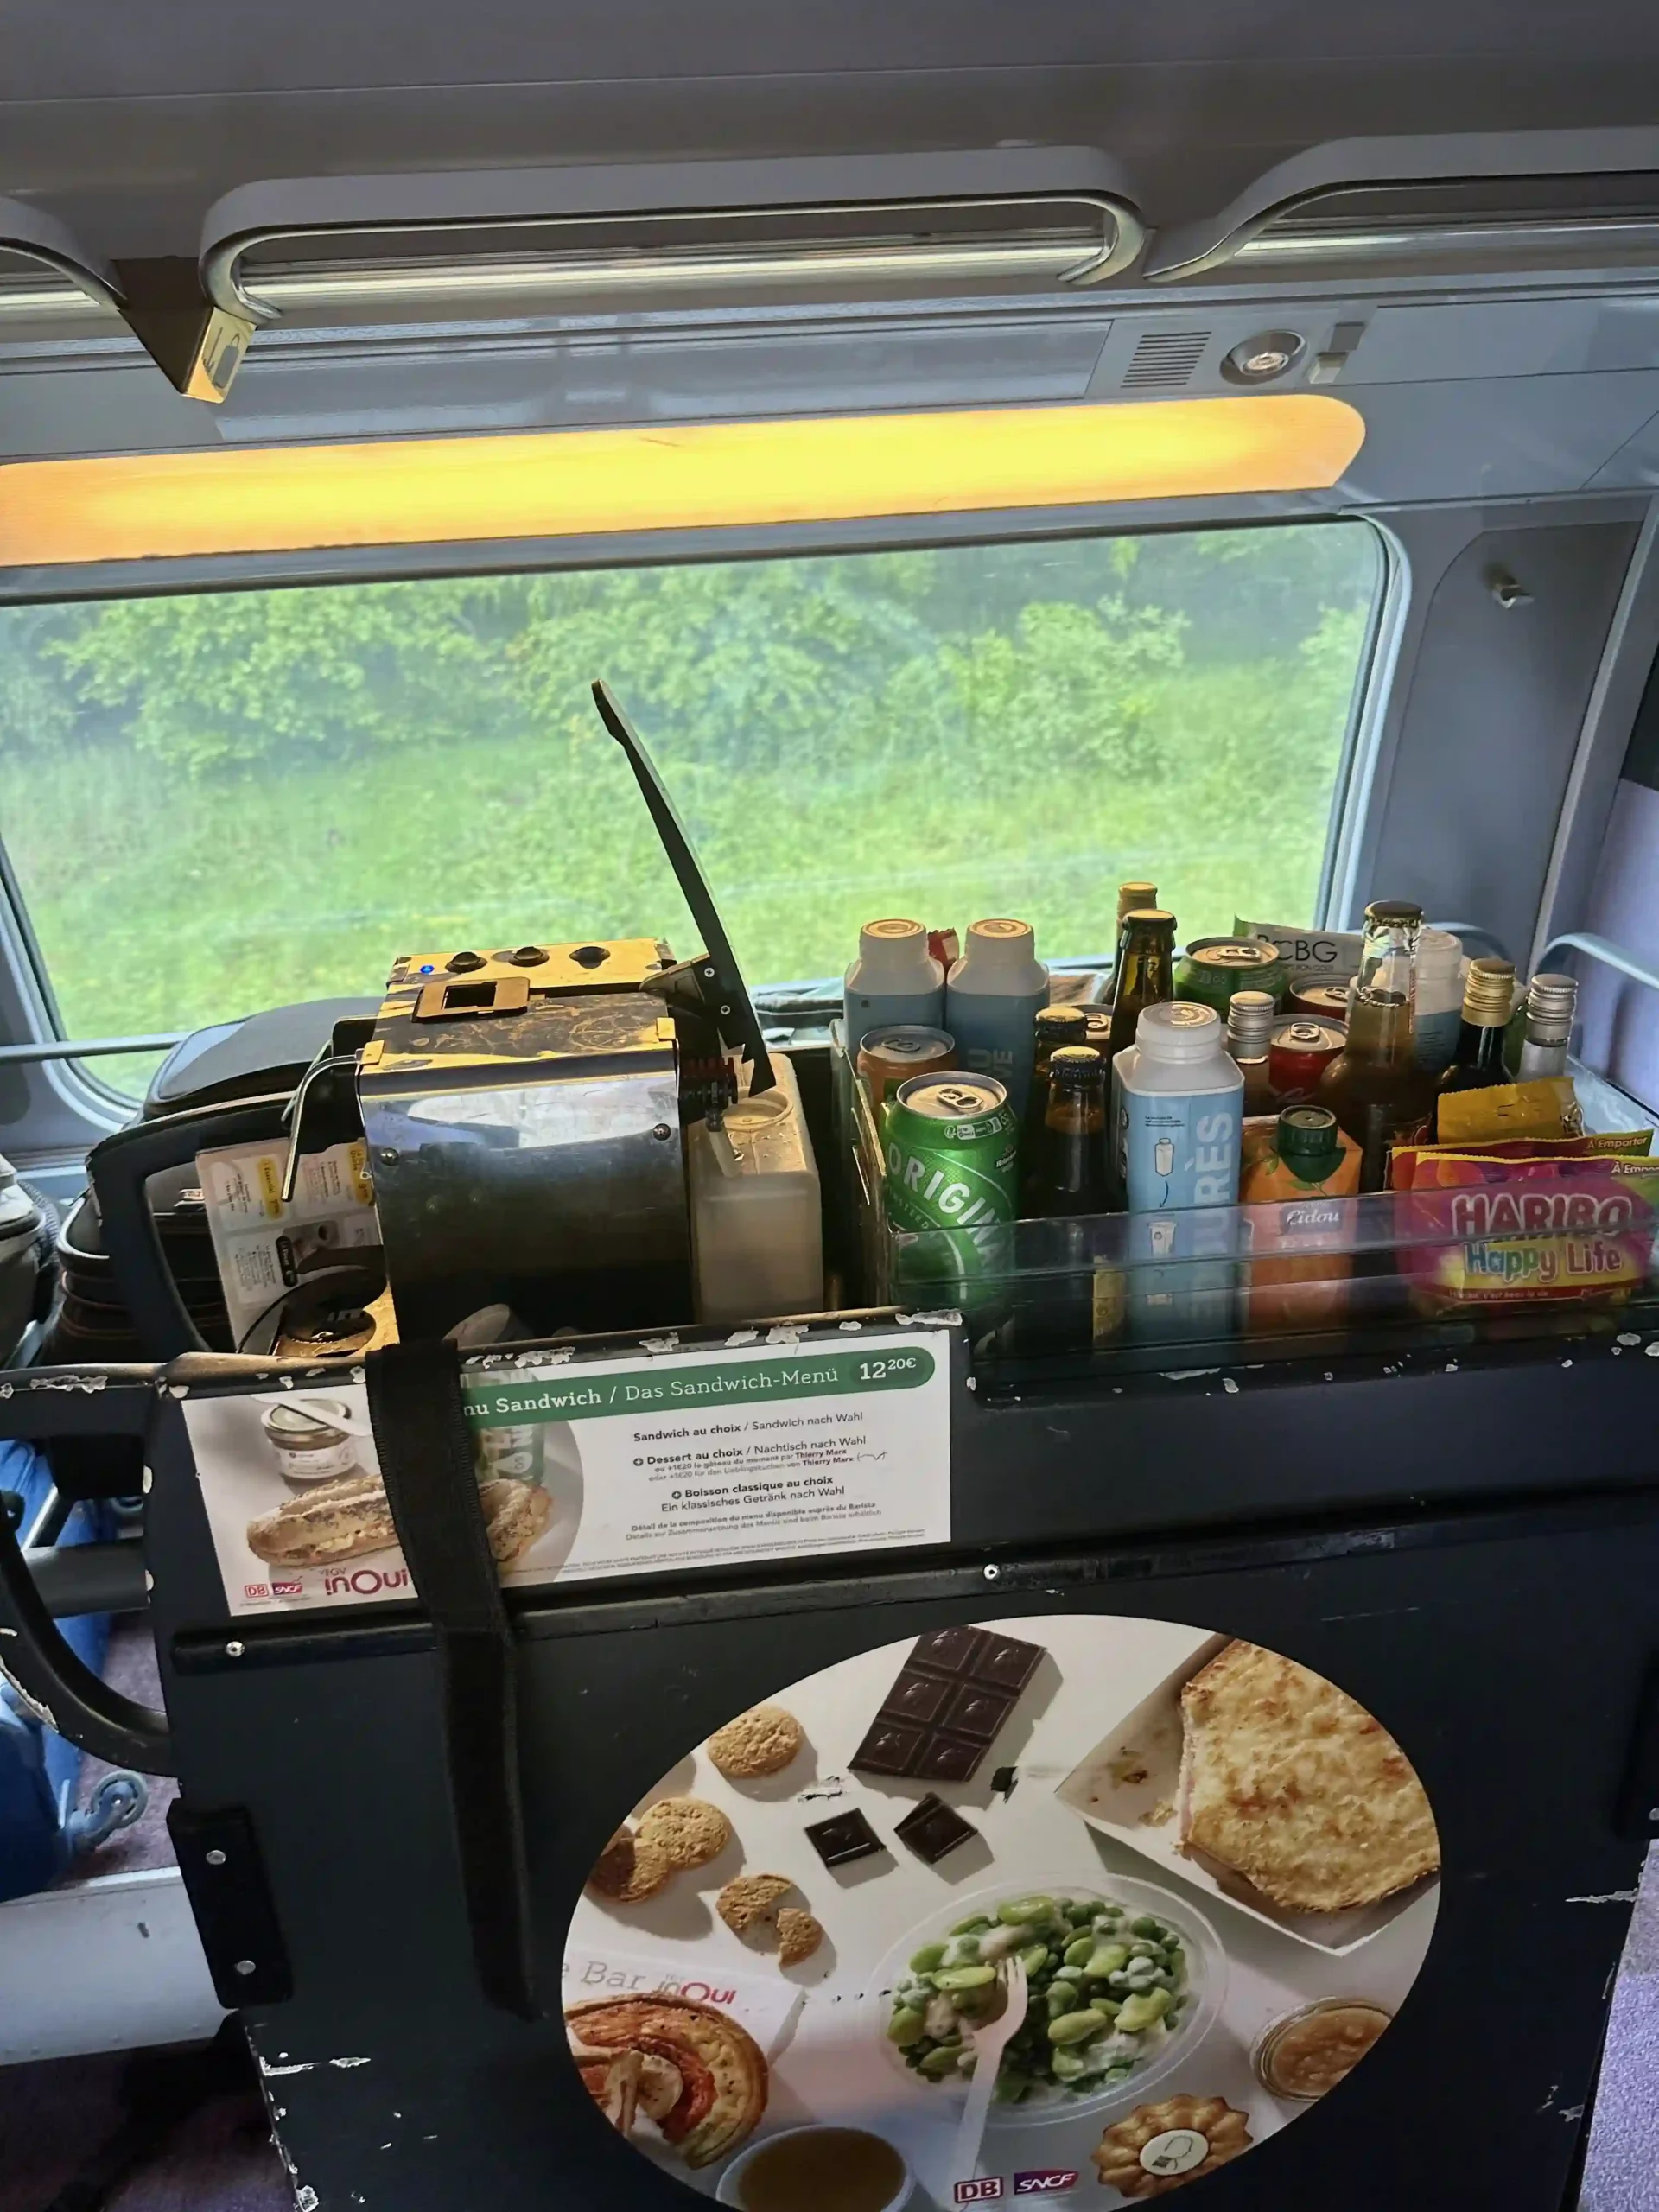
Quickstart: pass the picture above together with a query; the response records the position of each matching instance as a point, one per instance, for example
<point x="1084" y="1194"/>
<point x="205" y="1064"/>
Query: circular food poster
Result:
<point x="1003" y="1911"/>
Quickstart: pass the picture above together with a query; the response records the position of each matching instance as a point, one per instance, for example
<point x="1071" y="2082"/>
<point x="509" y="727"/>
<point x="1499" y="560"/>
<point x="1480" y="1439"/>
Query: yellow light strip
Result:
<point x="698" y="476"/>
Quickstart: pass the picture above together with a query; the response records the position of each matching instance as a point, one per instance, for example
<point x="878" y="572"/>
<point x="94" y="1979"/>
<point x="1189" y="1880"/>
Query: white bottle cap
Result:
<point x="1179" y="1029"/>
<point x="1439" y="955"/>
<point x="894" y="958"/>
<point x="999" y="957"/>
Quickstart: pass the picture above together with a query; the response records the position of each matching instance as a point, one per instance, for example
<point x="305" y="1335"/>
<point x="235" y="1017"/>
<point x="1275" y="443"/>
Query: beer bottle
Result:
<point x="1145" y="975"/>
<point x="1056" y="1026"/>
<point x="1488" y="1001"/>
<point x="1068" y="1173"/>
<point x="1132" y="897"/>
<point x="1379" y="1095"/>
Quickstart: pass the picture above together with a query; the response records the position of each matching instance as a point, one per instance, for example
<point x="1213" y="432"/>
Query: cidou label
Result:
<point x="1181" y="1150"/>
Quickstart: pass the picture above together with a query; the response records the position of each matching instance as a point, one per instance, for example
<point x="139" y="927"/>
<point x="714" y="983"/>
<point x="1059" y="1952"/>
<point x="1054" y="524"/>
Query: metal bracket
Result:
<point x="236" y="1918"/>
<point x="197" y="345"/>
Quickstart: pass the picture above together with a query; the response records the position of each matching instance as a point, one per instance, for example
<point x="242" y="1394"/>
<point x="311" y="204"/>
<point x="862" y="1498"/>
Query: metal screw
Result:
<point x="215" y="1858"/>
<point x="246" y="1966"/>
<point x="991" y="1573"/>
<point x="388" y="1159"/>
<point x="234" y="1650"/>
<point x="662" y="1132"/>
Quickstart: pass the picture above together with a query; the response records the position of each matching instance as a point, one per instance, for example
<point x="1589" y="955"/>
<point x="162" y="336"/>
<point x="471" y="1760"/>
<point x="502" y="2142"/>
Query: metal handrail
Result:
<point x="87" y="1048"/>
<point x="1604" y="949"/>
<point x="1473" y="929"/>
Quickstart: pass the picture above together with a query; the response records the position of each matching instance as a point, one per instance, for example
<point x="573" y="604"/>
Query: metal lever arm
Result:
<point x="733" y="1008"/>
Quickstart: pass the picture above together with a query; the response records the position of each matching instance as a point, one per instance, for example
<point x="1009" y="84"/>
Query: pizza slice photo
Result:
<point x="697" y="2079"/>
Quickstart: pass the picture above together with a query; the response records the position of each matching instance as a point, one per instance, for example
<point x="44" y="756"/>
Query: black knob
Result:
<point x="591" y="956"/>
<point x="528" y="956"/>
<point x="463" y="964"/>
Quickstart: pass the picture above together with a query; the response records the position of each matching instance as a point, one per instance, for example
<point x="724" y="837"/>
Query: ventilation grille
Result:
<point x="1164" y="360"/>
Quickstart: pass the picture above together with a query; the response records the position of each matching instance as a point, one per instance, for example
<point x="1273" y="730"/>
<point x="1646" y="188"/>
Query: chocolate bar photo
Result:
<point x="949" y="1702"/>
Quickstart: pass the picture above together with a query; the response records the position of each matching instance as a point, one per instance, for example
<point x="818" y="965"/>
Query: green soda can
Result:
<point x="1212" y="967"/>
<point x="953" y="1169"/>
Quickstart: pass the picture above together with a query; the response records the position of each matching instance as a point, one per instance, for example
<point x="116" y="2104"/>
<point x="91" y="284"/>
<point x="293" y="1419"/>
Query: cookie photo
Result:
<point x="760" y="1742"/>
<point x="688" y="1832"/>
<point x="614" y="1868"/>
<point x="629" y="1870"/>
<point x="798" y="1935"/>
<point x="751" y="1899"/>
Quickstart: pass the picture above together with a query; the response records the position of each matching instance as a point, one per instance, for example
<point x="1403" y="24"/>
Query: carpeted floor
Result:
<point x="167" y="2131"/>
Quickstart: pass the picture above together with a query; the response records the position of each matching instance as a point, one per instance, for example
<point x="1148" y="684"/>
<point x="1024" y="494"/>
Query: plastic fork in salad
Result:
<point x="991" y="2038"/>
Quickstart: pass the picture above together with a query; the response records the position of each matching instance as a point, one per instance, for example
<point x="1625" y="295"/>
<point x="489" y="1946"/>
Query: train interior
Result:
<point x="990" y="456"/>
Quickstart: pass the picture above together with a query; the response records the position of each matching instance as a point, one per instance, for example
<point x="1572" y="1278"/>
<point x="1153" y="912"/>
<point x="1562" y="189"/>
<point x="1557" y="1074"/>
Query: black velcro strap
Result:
<point x="427" y="1464"/>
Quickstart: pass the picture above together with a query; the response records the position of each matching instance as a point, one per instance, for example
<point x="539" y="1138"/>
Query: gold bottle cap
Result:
<point x="1489" y="992"/>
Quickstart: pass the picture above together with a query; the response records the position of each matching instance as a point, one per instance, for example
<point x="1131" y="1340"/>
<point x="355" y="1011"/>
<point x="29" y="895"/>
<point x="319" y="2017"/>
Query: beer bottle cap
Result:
<point x="1390" y="913"/>
<point x="1073" y="1065"/>
<point x="1062" y="1025"/>
<point x="1307" y="1130"/>
<point x="1158" y="917"/>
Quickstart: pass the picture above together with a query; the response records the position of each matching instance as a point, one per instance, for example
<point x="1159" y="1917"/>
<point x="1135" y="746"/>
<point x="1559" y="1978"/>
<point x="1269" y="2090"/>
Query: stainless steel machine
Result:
<point x="523" y="1113"/>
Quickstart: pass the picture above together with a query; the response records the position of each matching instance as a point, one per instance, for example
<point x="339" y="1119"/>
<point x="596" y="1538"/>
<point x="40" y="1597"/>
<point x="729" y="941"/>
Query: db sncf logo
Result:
<point x="287" y="1589"/>
<point x="1044" y="2181"/>
<point x="985" y="2190"/>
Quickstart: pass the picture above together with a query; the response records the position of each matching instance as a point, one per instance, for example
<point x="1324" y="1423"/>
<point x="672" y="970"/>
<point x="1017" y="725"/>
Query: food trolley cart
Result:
<point x="394" y="1791"/>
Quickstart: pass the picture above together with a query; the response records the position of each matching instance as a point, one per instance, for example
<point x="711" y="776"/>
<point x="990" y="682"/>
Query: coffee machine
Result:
<point x="521" y="1111"/>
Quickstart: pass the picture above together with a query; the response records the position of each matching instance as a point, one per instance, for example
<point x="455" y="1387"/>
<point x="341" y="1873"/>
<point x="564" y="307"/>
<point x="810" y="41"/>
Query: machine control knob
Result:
<point x="591" y="956"/>
<point x="463" y="964"/>
<point x="528" y="956"/>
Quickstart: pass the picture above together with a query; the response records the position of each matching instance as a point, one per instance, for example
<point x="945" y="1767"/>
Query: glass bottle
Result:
<point x="1133" y="897"/>
<point x="1250" y="1018"/>
<point x="1379" y="1095"/>
<point x="1068" y="1171"/>
<point x="1551" y="1000"/>
<point x="1488" y="1001"/>
<point x="1056" y="1026"/>
<point x="1145" y="975"/>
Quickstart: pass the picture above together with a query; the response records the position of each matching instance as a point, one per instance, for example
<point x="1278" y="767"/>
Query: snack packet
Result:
<point x="1526" y="1229"/>
<point x="1546" y="1109"/>
<point x="1604" y="1144"/>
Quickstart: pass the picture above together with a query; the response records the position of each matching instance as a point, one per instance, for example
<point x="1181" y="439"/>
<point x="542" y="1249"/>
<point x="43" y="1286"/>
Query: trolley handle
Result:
<point x="120" y="1168"/>
<point x="52" y="1680"/>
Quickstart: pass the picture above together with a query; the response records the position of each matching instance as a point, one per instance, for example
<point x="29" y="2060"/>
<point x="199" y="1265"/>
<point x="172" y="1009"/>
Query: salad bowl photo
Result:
<point x="1124" y="1980"/>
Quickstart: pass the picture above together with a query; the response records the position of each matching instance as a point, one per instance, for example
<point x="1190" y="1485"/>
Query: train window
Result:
<point x="223" y="801"/>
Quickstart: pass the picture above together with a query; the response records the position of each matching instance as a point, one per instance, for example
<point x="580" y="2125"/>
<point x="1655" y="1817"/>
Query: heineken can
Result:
<point x="953" y="1164"/>
<point x="1212" y="967"/>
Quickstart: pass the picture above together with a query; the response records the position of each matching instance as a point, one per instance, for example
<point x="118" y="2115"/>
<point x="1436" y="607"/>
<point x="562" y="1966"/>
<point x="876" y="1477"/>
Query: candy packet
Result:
<point x="1501" y="1231"/>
